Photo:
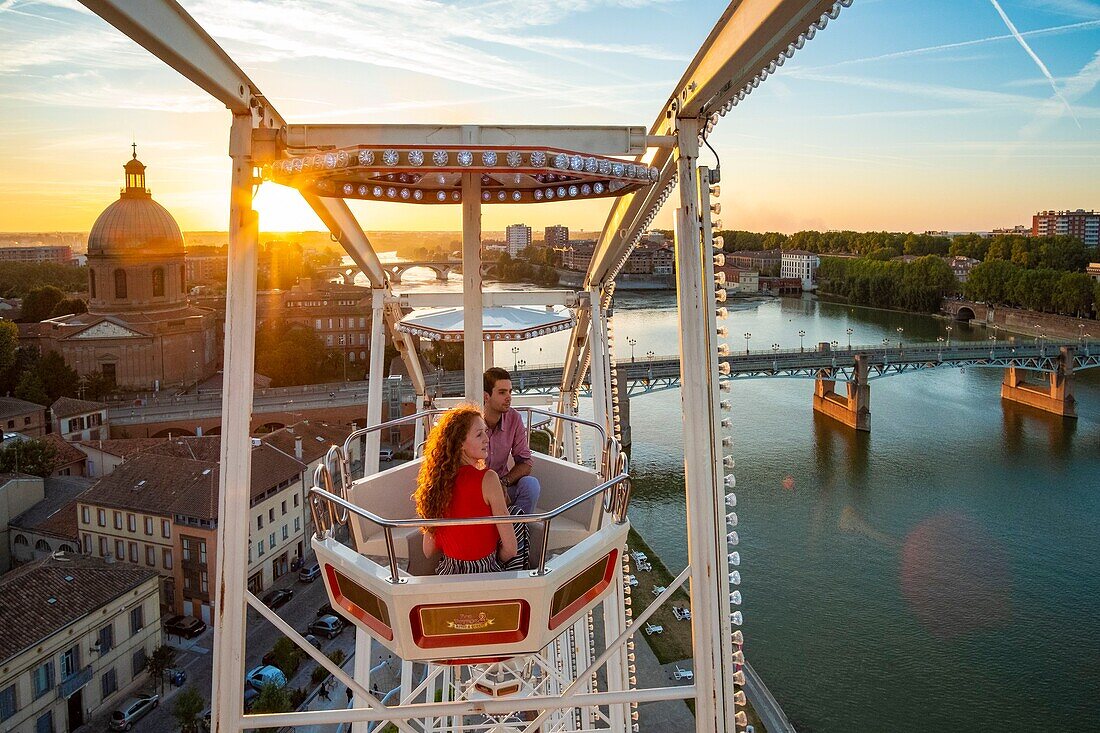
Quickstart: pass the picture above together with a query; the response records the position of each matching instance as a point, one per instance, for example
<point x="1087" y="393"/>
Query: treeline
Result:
<point x="1056" y="253"/>
<point x="17" y="279"/>
<point x="533" y="265"/>
<point x="1042" y="289"/>
<point x="42" y="378"/>
<point x="917" y="286"/>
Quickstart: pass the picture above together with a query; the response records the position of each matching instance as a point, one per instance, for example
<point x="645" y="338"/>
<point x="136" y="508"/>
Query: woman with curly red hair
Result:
<point x="454" y="482"/>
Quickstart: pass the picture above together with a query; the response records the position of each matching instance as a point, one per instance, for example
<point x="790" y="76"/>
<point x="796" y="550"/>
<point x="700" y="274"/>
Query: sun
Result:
<point x="283" y="209"/>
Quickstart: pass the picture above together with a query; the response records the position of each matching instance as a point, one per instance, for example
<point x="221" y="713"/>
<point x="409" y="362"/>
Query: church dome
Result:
<point x="135" y="223"/>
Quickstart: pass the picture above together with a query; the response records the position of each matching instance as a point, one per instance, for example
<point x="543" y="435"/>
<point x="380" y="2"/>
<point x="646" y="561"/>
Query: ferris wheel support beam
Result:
<point x="169" y="32"/>
<point x="749" y="35"/>
<point x="234" y="478"/>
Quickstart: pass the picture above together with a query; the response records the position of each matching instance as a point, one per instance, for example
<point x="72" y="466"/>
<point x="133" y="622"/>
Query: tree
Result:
<point x="188" y="707"/>
<point x="97" y="386"/>
<point x="9" y="345"/>
<point x="31" y="389"/>
<point x="68" y="306"/>
<point x="272" y="699"/>
<point x="35" y="457"/>
<point x="17" y="279"/>
<point x="59" y="379"/>
<point x="287" y="656"/>
<point x="159" y="662"/>
<point x="38" y="304"/>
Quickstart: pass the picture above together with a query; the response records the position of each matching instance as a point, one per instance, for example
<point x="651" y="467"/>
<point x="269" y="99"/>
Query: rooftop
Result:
<point x="56" y="514"/>
<point x="12" y="406"/>
<point x="66" y="452"/>
<point x="316" y="438"/>
<point x="122" y="447"/>
<point x="55" y="592"/>
<point x="67" y="407"/>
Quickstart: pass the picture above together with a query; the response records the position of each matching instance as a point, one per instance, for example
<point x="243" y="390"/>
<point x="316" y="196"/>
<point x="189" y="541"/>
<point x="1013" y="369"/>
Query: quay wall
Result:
<point x="1020" y="320"/>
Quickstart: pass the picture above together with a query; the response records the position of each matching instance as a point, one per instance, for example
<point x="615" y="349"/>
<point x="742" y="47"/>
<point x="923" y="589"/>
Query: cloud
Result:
<point x="1034" y="57"/>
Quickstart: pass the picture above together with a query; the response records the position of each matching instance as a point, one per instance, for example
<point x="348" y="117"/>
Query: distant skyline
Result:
<point x="938" y="115"/>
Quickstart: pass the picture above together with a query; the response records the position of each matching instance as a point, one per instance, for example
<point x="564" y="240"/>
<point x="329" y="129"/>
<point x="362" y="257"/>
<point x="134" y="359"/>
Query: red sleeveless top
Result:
<point x="475" y="541"/>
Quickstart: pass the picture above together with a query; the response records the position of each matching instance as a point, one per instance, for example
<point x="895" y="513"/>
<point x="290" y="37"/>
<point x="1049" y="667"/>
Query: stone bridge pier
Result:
<point x="1053" y="394"/>
<point x="852" y="409"/>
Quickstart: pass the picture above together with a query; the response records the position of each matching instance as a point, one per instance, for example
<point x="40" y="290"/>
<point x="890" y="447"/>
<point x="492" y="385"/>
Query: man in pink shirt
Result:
<point x="508" y="442"/>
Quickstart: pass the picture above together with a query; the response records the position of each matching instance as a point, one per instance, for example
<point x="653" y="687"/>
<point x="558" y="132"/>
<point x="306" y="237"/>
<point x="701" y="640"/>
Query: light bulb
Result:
<point x="735" y="577"/>
<point x="736" y="619"/>
<point x="731" y="499"/>
<point x="728" y="462"/>
<point x="730" y="480"/>
<point x="734" y="558"/>
<point x="739" y="679"/>
<point x="731" y="519"/>
<point x="735" y="598"/>
<point x="738" y="637"/>
<point x="733" y="539"/>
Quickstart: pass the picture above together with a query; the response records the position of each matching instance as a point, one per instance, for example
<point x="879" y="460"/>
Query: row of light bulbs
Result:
<point x="807" y="35"/>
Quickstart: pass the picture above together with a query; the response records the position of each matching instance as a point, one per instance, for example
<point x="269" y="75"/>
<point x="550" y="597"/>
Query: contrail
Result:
<point x="1039" y="62"/>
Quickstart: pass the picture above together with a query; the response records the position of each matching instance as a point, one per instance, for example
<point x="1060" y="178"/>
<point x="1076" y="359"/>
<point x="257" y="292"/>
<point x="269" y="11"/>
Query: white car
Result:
<point x="265" y="674"/>
<point x="385" y="454"/>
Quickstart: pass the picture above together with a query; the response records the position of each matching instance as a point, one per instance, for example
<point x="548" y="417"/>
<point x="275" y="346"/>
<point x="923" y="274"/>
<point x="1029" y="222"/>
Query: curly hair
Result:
<point x="442" y="458"/>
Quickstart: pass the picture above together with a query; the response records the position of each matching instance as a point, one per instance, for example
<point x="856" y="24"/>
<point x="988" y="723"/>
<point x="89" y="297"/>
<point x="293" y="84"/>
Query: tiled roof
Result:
<point x="67" y="453"/>
<point x="78" y="586"/>
<point x="180" y="476"/>
<point x="122" y="447"/>
<point x="67" y="407"/>
<point x="56" y="514"/>
<point x="309" y="431"/>
<point x="11" y="406"/>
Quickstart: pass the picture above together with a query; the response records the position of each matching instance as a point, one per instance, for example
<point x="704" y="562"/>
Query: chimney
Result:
<point x="298" y="447"/>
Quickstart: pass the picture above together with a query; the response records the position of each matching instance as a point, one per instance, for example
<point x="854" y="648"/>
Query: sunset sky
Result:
<point x="901" y="115"/>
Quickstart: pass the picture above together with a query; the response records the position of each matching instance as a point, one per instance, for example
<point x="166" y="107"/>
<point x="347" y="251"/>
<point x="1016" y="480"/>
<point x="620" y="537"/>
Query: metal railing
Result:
<point x="615" y="492"/>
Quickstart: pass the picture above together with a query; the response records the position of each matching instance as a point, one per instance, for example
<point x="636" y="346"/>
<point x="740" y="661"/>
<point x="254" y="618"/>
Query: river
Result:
<point x="939" y="573"/>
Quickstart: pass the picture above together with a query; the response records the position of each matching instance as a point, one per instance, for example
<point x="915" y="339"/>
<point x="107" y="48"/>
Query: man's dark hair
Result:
<point x="494" y="375"/>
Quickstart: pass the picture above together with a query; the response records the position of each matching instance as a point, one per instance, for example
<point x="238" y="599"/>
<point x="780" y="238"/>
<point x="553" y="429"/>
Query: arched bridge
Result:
<point x="396" y="270"/>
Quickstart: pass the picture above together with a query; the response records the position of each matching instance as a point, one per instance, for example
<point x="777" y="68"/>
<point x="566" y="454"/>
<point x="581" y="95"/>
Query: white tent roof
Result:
<point x="502" y="323"/>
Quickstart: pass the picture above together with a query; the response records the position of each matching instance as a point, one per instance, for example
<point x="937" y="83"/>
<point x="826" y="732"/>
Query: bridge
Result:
<point x="1049" y="368"/>
<point x="395" y="270"/>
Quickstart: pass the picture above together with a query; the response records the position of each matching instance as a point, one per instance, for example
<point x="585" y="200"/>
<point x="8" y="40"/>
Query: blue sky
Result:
<point x="900" y="115"/>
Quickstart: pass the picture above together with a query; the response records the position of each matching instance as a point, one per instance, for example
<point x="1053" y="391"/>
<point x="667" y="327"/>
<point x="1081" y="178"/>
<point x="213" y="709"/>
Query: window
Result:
<point x="259" y="521"/>
<point x="297" y="524"/>
<point x="44" y="724"/>
<point x="65" y="548"/>
<point x="165" y="528"/>
<point x="43" y="679"/>
<point x="362" y="322"/>
<point x="271" y="541"/>
<point x="91" y="282"/>
<point x="260" y="548"/>
<point x="70" y="662"/>
<point x="108" y="683"/>
<point x="7" y="702"/>
<point x="103" y="547"/>
<point x="205" y="582"/>
<point x="85" y="515"/>
<point x="101" y="518"/>
<point x="120" y="550"/>
<point x="106" y="638"/>
<point x="43" y="546"/>
<point x="118" y="520"/>
<point x="317" y="324"/>
<point x="149" y="526"/>
<point x="202" y="552"/>
<point x="133" y="552"/>
<point x="295" y="501"/>
<point x="20" y="539"/>
<point x="183" y="280"/>
<point x="137" y="619"/>
<point x="150" y="555"/>
<point x="283" y="504"/>
<point x="158" y="282"/>
<point x="131" y="522"/>
<point x="187" y="550"/>
<point x="120" y="284"/>
<point x="166" y="557"/>
<point x="87" y="544"/>
<point x="138" y="662"/>
<point x="271" y="514"/>
<point x="286" y="531"/>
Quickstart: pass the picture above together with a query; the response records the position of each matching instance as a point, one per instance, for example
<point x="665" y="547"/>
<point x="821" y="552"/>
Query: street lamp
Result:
<point x="649" y="369"/>
<point x="747" y="337"/>
<point x="901" y="337"/>
<point x="1080" y="333"/>
<point x="940" y="340"/>
<point x="515" y="358"/>
<point x="849" y="332"/>
<point x="801" y="336"/>
<point x="949" y="337"/>
<point x="885" y="343"/>
<point x="521" y="365"/>
<point x="632" y="342"/>
<point x="992" y="343"/>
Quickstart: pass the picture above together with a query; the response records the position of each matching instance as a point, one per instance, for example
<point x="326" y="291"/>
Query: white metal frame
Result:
<point x="749" y="40"/>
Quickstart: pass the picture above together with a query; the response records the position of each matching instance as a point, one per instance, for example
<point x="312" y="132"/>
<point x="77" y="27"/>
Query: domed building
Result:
<point x="139" y="331"/>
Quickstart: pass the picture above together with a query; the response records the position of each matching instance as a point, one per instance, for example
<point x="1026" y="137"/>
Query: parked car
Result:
<point x="265" y="674"/>
<point x="327" y="626"/>
<point x="309" y="574"/>
<point x="187" y="627"/>
<point x="326" y="609"/>
<point x="132" y="710"/>
<point x="385" y="454"/>
<point x="313" y="640"/>
<point x="176" y="675"/>
<point x="277" y="598"/>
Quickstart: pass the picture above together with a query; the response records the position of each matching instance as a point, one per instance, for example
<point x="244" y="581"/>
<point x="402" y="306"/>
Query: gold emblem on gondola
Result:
<point x="471" y="622"/>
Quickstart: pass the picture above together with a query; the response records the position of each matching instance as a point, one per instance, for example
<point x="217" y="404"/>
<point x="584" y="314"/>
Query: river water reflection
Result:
<point x="939" y="573"/>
